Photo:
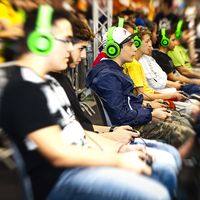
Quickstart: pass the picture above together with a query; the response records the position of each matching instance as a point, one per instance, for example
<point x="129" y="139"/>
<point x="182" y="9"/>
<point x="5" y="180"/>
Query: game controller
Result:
<point x="165" y="103"/>
<point x="149" y="160"/>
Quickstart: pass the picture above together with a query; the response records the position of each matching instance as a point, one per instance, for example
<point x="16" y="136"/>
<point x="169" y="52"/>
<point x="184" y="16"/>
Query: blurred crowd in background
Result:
<point x="151" y="13"/>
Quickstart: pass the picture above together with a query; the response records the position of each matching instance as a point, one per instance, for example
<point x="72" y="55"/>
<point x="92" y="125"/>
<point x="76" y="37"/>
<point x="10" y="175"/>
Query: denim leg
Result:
<point x="105" y="183"/>
<point x="166" y="175"/>
<point x="155" y="145"/>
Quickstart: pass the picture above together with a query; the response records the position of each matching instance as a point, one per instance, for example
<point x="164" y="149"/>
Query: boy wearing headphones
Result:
<point x="122" y="133"/>
<point x="167" y="42"/>
<point x="180" y="55"/>
<point x="59" y="163"/>
<point x="116" y="92"/>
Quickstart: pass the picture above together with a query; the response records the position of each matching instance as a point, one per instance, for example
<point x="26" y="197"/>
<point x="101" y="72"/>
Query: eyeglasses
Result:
<point x="66" y="41"/>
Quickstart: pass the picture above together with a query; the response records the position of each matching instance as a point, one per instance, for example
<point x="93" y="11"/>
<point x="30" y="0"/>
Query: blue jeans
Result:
<point x="166" y="165"/>
<point x="164" y="153"/>
<point x="191" y="89"/>
<point x="103" y="183"/>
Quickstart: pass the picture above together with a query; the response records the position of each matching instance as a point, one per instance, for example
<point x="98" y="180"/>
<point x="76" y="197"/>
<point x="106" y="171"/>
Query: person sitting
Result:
<point x="135" y="70"/>
<point x="122" y="134"/>
<point x="63" y="165"/>
<point x="124" y="108"/>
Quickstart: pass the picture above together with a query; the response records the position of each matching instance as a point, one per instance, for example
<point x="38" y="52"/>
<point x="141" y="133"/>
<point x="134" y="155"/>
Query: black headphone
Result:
<point x="41" y="41"/>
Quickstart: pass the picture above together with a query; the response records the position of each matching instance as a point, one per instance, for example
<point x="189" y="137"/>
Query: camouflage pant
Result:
<point x="174" y="131"/>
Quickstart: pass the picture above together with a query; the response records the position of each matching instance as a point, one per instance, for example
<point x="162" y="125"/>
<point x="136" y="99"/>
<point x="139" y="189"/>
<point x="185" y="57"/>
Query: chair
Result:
<point x="104" y="115"/>
<point x="25" y="181"/>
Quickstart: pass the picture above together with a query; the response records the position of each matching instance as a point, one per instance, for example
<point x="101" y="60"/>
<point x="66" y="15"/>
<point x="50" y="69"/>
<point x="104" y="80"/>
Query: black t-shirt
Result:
<point x="79" y="114"/>
<point x="164" y="61"/>
<point x="27" y="103"/>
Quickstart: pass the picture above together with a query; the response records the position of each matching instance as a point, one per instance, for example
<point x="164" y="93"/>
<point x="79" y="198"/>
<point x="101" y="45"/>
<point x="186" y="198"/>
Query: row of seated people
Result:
<point x="65" y="155"/>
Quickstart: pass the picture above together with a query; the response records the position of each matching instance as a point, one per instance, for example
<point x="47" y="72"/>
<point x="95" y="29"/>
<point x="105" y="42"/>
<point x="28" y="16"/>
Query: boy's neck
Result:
<point x="138" y="55"/>
<point x="118" y="61"/>
<point x="33" y="62"/>
<point x="163" y="49"/>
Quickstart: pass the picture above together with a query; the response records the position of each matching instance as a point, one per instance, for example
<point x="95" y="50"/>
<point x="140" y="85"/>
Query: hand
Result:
<point x="133" y="147"/>
<point x="160" y="114"/>
<point x="177" y="84"/>
<point x="157" y="103"/>
<point x="196" y="81"/>
<point x="124" y="134"/>
<point x="179" y="96"/>
<point x="134" y="161"/>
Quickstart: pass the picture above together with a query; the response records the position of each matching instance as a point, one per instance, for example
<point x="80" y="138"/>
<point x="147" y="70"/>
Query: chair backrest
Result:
<point x="104" y="115"/>
<point x="25" y="181"/>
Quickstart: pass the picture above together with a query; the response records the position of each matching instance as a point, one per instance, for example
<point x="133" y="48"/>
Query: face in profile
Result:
<point x="146" y="44"/>
<point x="173" y="42"/>
<point x="78" y="53"/>
<point x="128" y="52"/>
<point x="62" y="31"/>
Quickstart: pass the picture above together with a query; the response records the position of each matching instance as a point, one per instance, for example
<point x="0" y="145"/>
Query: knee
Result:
<point x="167" y="176"/>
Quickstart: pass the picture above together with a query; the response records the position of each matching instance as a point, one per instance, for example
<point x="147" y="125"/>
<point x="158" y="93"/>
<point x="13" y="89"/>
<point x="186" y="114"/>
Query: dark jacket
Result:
<point x="116" y="92"/>
<point x="79" y="114"/>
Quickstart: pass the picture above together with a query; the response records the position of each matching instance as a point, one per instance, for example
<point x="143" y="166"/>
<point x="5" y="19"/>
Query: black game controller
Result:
<point x="149" y="160"/>
<point x="165" y="103"/>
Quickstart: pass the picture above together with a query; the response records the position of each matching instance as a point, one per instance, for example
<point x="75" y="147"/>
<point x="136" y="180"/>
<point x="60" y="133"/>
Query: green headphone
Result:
<point x="40" y="41"/>
<point x="112" y="49"/>
<point x="137" y="40"/>
<point x="178" y="32"/>
<point x="120" y="22"/>
<point x="165" y="41"/>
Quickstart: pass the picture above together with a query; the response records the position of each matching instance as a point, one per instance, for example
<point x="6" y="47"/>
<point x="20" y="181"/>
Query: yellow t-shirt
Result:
<point x="136" y="73"/>
<point x="13" y="17"/>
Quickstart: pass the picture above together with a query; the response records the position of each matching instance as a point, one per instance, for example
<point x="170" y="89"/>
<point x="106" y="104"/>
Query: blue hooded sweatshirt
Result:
<point x="116" y="92"/>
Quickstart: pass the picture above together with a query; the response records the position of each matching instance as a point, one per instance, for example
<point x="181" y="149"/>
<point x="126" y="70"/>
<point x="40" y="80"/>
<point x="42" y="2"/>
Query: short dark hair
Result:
<point x="143" y="31"/>
<point x="169" y="3"/>
<point x="81" y="30"/>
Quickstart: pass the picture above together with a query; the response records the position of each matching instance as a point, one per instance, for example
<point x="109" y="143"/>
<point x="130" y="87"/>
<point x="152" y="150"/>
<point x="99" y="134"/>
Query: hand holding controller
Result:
<point x="149" y="160"/>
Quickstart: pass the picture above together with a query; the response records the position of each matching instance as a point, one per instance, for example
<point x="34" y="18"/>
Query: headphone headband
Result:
<point x="178" y="32"/>
<point x="120" y="22"/>
<point x="40" y="41"/>
<point x="44" y="12"/>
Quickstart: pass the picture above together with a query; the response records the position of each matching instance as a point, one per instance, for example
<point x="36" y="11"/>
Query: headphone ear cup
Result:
<point x="165" y="41"/>
<point x="112" y="49"/>
<point x="40" y="43"/>
<point x="178" y="34"/>
<point x="137" y="42"/>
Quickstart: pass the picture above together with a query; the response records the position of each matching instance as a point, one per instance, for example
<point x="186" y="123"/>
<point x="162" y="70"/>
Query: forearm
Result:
<point x="101" y="129"/>
<point x="76" y="156"/>
<point x="157" y="96"/>
<point x="170" y="84"/>
<point x="180" y="78"/>
<point x="190" y="74"/>
<point x="60" y="154"/>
